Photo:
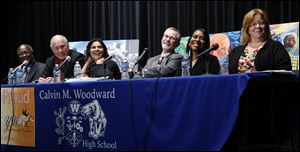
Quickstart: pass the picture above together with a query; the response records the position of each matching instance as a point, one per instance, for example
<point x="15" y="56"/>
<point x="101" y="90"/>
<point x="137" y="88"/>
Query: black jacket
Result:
<point x="272" y="56"/>
<point x="110" y="69"/>
<point x="200" y="65"/>
<point x="68" y="68"/>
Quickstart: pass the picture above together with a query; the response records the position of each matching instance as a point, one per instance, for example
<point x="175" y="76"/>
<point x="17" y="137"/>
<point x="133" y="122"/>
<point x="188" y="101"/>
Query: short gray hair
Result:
<point x="58" y="36"/>
<point x="178" y="35"/>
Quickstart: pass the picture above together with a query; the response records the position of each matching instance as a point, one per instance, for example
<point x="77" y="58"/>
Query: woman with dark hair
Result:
<point x="96" y="53"/>
<point x="258" y="52"/>
<point x="206" y="64"/>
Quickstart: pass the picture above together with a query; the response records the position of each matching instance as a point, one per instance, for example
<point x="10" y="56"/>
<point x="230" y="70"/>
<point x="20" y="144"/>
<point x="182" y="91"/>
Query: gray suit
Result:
<point x="169" y="66"/>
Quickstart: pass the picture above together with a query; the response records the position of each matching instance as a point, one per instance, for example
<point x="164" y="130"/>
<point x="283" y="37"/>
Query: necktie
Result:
<point x="25" y="70"/>
<point x="160" y="60"/>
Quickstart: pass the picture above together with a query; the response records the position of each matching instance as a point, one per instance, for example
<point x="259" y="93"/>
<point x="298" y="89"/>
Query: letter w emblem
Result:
<point x="74" y="107"/>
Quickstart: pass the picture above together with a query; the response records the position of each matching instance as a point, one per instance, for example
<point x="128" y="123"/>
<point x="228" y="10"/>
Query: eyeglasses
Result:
<point x="171" y="37"/>
<point x="261" y="24"/>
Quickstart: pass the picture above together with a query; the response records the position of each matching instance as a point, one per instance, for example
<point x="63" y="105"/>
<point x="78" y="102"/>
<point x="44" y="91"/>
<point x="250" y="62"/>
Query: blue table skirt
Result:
<point x="180" y="113"/>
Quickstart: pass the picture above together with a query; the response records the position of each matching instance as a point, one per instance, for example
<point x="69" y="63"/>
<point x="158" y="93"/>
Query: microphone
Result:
<point x="105" y="60"/>
<point x="109" y="57"/>
<point x="213" y="47"/>
<point x="67" y="59"/>
<point x="141" y="56"/>
<point x="25" y="62"/>
<point x="138" y="60"/>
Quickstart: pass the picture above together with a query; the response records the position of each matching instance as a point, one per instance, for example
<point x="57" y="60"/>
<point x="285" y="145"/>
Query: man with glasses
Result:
<point x="60" y="48"/>
<point x="33" y="70"/>
<point x="168" y="63"/>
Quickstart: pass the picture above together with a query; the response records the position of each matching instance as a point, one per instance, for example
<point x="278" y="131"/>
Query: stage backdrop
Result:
<point x="286" y="33"/>
<point x="122" y="49"/>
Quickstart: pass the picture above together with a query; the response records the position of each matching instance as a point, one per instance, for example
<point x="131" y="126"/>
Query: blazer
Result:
<point x="272" y="56"/>
<point x="68" y="68"/>
<point x="169" y="66"/>
<point x="111" y="69"/>
<point x="200" y="65"/>
<point x="36" y="71"/>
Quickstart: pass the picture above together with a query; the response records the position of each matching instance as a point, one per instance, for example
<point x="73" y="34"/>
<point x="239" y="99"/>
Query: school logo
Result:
<point x="70" y="125"/>
<point x="97" y="119"/>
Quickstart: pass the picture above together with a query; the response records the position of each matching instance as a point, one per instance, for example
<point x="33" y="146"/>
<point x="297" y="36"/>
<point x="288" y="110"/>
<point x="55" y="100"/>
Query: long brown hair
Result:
<point x="88" y="47"/>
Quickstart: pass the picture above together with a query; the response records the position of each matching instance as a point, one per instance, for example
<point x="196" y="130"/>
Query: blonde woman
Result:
<point x="258" y="52"/>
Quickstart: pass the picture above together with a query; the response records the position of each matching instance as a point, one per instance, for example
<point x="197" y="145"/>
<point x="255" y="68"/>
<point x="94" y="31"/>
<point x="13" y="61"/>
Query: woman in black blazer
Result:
<point x="198" y="42"/>
<point x="258" y="52"/>
<point x="96" y="53"/>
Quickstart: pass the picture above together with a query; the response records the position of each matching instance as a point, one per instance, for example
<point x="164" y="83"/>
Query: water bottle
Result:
<point x="77" y="70"/>
<point x="124" y="69"/>
<point x="56" y="74"/>
<point x="223" y="62"/>
<point x="20" y="75"/>
<point x="10" y="76"/>
<point x="185" y="66"/>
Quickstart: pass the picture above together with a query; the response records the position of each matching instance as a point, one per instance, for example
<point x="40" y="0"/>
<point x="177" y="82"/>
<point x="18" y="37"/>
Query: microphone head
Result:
<point x="145" y="49"/>
<point x="109" y="57"/>
<point x="112" y="55"/>
<point x="25" y="62"/>
<point x="215" y="46"/>
<point x="68" y="58"/>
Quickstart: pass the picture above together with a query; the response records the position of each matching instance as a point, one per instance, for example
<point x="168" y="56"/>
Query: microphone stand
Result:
<point x="63" y="70"/>
<point x="104" y="68"/>
<point x="132" y="73"/>
<point x="206" y="65"/>
<point x="134" y="66"/>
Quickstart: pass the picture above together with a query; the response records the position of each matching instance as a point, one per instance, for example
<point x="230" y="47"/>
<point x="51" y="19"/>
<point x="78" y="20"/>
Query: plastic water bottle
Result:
<point x="185" y="66"/>
<point x="223" y="62"/>
<point x="124" y="69"/>
<point x="56" y="73"/>
<point x="20" y="75"/>
<point x="77" y="70"/>
<point x="10" y="76"/>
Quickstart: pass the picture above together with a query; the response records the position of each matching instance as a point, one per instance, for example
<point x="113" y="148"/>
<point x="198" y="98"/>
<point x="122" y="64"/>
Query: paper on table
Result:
<point x="86" y="79"/>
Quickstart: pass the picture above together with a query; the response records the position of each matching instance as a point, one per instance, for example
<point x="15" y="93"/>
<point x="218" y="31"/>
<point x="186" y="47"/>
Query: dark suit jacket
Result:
<point x="111" y="69"/>
<point x="36" y="70"/>
<point x="170" y="66"/>
<point x="68" y="68"/>
<point x="272" y="56"/>
<point x="200" y="66"/>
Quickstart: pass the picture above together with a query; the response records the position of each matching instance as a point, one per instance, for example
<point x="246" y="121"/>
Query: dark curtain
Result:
<point x="36" y="22"/>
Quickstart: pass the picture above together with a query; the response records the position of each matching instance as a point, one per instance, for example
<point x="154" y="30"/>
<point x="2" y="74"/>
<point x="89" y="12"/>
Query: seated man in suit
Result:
<point x="168" y="63"/>
<point x="60" y="48"/>
<point x="34" y="69"/>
